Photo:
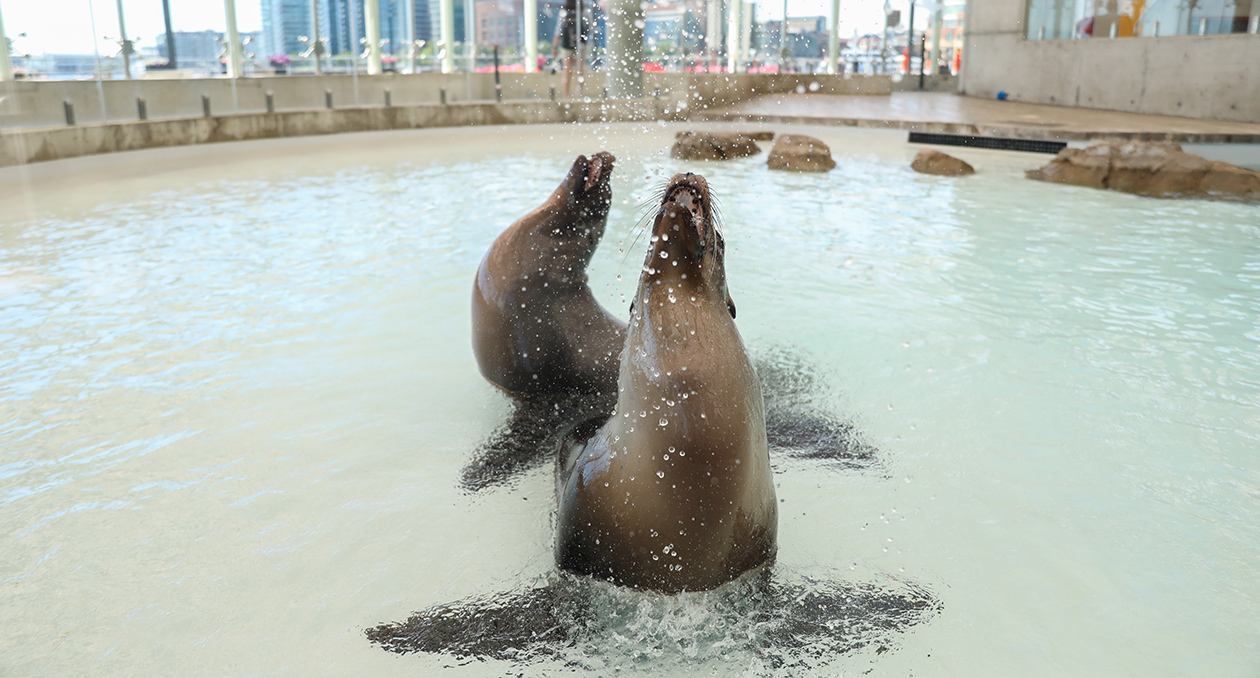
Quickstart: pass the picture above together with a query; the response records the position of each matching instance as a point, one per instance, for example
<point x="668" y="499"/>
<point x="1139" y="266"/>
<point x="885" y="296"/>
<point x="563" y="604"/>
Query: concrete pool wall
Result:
<point x="107" y="120"/>
<point x="40" y="103"/>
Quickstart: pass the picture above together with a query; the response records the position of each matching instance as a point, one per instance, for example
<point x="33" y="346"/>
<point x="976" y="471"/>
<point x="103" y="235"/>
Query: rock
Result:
<point x="799" y="153"/>
<point x="932" y="161"/>
<point x="1158" y="169"/>
<point x="1225" y="179"/>
<point x="1079" y="167"/>
<point x="713" y="146"/>
<point x="761" y="135"/>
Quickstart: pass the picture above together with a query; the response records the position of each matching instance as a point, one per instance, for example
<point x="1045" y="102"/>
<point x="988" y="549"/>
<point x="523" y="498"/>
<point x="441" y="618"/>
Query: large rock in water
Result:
<point x="1159" y="169"/>
<point x="714" y="145"/>
<point x="932" y="161"/>
<point x="799" y="153"/>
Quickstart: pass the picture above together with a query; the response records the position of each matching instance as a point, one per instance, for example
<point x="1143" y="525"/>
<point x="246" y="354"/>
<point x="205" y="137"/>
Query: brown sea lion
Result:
<point x="537" y="329"/>
<point x="674" y="492"/>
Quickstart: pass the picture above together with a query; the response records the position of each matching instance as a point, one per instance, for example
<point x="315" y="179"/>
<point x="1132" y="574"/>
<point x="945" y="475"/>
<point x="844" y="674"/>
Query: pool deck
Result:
<point x="950" y="113"/>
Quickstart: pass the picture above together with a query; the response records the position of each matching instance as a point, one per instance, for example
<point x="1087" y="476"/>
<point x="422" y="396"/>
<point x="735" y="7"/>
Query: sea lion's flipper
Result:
<point x="572" y="442"/>
<point x="509" y="625"/>
<point x="795" y="424"/>
<point x="528" y="438"/>
<point x="769" y="617"/>
<point x="810" y="435"/>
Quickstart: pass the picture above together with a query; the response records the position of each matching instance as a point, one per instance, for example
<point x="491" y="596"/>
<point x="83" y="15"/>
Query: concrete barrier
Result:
<point x="39" y="103"/>
<point x="22" y="146"/>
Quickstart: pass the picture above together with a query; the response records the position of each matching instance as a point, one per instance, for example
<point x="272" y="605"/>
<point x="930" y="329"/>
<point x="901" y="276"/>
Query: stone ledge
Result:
<point x="1010" y="132"/>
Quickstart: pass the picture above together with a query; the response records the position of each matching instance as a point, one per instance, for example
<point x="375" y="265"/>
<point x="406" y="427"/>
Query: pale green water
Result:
<point x="236" y="392"/>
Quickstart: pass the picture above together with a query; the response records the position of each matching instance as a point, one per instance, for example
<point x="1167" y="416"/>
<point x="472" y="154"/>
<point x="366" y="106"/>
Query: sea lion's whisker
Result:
<point x="643" y="226"/>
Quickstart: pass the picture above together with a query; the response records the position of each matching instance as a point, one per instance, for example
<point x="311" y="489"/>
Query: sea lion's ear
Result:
<point x="730" y="305"/>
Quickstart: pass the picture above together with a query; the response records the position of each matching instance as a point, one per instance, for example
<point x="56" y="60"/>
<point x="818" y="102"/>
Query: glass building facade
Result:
<point x="1082" y="19"/>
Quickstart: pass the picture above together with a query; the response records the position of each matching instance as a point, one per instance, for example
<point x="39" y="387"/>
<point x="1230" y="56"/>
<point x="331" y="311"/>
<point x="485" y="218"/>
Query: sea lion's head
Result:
<point x="688" y="249"/>
<point x="580" y="204"/>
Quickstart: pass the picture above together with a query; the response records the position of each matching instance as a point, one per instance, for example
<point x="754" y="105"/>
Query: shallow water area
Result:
<point x="237" y="396"/>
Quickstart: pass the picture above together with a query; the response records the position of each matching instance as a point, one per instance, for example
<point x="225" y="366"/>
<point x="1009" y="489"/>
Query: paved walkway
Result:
<point x="953" y="114"/>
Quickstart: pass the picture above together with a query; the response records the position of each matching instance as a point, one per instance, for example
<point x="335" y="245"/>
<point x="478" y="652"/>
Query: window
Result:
<point x="1079" y="19"/>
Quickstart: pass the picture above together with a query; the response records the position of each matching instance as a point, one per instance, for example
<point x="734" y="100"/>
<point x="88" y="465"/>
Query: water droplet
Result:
<point x="664" y="255"/>
<point x="660" y="474"/>
<point x="664" y="421"/>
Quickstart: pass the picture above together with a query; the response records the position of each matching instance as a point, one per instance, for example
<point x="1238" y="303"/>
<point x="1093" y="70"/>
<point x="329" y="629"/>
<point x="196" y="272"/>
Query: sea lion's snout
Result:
<point x="590" y="173"/>
<point x="686" y="203"/>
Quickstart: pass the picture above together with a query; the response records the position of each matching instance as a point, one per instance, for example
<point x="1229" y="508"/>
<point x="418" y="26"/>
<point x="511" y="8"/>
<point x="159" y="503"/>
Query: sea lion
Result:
<point x="674" y="492"/>
<point x="537" y="329"/>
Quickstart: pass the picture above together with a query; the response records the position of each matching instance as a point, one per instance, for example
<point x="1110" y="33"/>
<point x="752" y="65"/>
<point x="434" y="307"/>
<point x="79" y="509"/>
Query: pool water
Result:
<point x="237" y="394"/>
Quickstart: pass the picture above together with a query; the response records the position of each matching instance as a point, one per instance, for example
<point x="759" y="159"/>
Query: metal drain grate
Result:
<point x="997" y="143"/>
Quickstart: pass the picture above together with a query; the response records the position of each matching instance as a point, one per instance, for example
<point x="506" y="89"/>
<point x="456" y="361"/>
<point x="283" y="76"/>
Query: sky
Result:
<point x="66" y="27"/>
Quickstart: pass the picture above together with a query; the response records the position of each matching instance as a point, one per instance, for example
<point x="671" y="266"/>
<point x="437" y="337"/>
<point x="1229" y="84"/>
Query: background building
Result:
<point x="663" y="27"/>
<point x="499" y="22"/>
<point x="341" y="22"/>
<point x="282" y="22"/>
<point x="191" y="45"/>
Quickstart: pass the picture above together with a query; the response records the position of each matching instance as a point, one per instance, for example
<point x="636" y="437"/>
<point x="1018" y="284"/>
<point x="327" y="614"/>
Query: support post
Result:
<point x="372" y="24"/>
<point x="733" y="30"/>
<point x="910" y="40"/>
<point x="205" y="105"/>
<point x="713" y="34"/>
<point x="470" y="35"/>
<point x="922" y="59"/>
<point x="233" y="38"/>
<point x="625" y="48"/>
<point x="142" y="109"/>
<point x="745" y="30"/>
<point x="447" y="9"/>
<point x="6" y="66"/>
<point x="938" y="22"/>
<point x="783" y="40"/>
<point x="316" y="47"/>
<point x="271" y="101"/>
<point x="170" y="36"/>
<point x="123" y="42"/>
<point x="409" y="31"/>
<point x="833" y="40"/>
<point x="68" y="106"/>
<point x="531" y="36"/>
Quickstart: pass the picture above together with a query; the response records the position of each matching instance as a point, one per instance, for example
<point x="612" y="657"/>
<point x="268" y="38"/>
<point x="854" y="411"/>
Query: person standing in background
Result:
<point x="569" y="43"/>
